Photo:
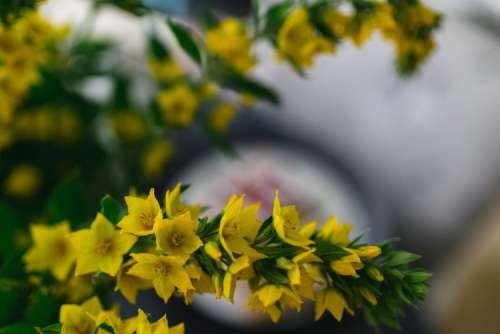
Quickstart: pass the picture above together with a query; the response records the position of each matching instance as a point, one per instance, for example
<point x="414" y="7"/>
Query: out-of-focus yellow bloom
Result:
<point x="165" y="70"/>
<point x="178" y="105"/>
<point x="156" y="157"/>
<point x="335" y="233"/>
<point x="375" y="274"/>
<point x="23" y="181"/>
<point x="286" y="222"/>
<point x="174" y="206"/>
<point x="208" y="90"/>
<point x="347" y="265"/>
<point x="130" y="285"/>
<point x="142" y="214"/>
<point x="239" y="227"/>
<point x="230" y="41"/>
<point x="368" y="252"/>
<point x="213" y="250"/>
<point x="111" y="318"/>
<point x="337" y="22"/>
<point x="166" y="273"/>
<point x="77" y="288"/>
<point x="101" y="248"/>
<point x="369" y="296"/>
<point x="159" y="327"/>
<point x="129" y="126"/>
<point x="230" y="278"/>
<point x="268" y="298"/>
<point x="248" y="100"/>
<point x="221" y="116"/>
<point x="176" y="236"/>
<point x="332" y="300"/>
<point x="298" y="40"/>
<point x="51" y="250"/>
<point x="80" y="319"/>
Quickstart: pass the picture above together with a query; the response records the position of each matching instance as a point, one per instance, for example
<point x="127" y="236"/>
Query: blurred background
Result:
<point x="417" y="158"/>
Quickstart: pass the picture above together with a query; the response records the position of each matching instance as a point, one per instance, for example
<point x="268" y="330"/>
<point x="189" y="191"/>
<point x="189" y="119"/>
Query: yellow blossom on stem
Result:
<point x="332" y="300"/>
<point x="213" y="250"/>
<point x="129" y="126"/>
<point x="176" y="236"/>
<point x="130" y="285"/>
<point x="221" y="116"/>
<point x="238" y="227"/>
<point x="142" y="214"/>
<point x="101" y="248"/>
<point x="51" y="250"/>
<point x="159" y="327"/>
<point x="155" y="157"/>
<point x="80" y="319"/>
<point x="368" y="252"/>
<point x="165" y="70"/>
<point x="178" y="105"/>
<point x="298" y="40"/>
<point x="369" y="296"/>
<point x="347" y="265"/>
<point x="174" y="205"/>
<point x="335" y="233"/>
<point x="230" y="278"/>
<point x="166" y="273"/>
<point x="230" y="41"/>
<point x="286" y="222"/>
<point x="271" y="299"/>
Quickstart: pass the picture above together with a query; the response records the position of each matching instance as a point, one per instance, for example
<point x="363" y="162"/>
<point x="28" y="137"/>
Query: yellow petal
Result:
<point x="163" y="287"/>
<point x="269" y="294"/>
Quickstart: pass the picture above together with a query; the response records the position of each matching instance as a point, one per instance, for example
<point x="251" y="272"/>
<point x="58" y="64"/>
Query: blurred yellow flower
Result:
<point x="347" y="265"/>
<point x="230" y="41"/>
<point x="369" y="296"/>
<point x="129" y="126"/>
<point x="156" y="157"/>
<point x="166" y="273"/>
<point x="80" y="319"/>
<point x="176" y="236"/>
<point x="368" y="252"/>
<point x="142" y="214"/>
<point x="51" y="250"/>
<point x="335" y="233"/>
<point x="130" y="285"/>
<point x="221" y="116"/>
<point x="332" y="300"/>
<point x="174" y="206"/>
<point x="178" y="105"/>
<point x="268" y="298"/>
<point x="23" y="181"/>
<point x="286" y="222"/>
<point x="101" y="248"/>
<point x="165" y="70"/>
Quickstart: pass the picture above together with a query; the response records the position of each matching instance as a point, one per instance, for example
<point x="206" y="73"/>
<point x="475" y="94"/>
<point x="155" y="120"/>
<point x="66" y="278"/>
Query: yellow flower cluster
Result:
<point x="24" y="46"/>
<point x="230" y="41"/>
<point x="171" y="249"/>
<point x="90" y="317"/>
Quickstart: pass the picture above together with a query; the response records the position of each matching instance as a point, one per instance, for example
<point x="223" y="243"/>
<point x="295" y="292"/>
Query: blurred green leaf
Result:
<point x="18" y="328"/>
<point x="13" y="297"/>
<point x="185" y="39"/>
<point x="402" y="257"/>
<point x="43" y="308"/>
<point x="111" y="209"/>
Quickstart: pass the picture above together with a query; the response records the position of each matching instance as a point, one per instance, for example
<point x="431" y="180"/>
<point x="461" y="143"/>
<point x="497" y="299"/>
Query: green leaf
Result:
<point x="329" y="252"/>
<point x="43" y="309"/>
<point x="276" y="15"/>
<point x="52" y="329"/>
<point x="9" y="221"/>
<point x="157" y="49"/>
<point x="111" y="209"/>
<point x="185" y="40"/>
<point x="418" y="276"/>
<point x="13" y="297"/>
<point x="266" y="268"/>
<point x="18" y="328"/>
<point x="228" y="77"/>
<point x="277" y="250"/>
<point x="401" y="257"/>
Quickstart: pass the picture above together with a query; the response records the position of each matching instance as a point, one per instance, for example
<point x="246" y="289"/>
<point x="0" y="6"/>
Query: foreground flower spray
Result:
<point x="177" y="251"/>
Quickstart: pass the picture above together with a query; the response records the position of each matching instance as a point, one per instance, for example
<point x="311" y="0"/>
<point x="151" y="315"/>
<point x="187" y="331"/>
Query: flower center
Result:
<point x="177" y="239"/>
<point x="60" y="248"/>
<point x="230" y="229"/>
<point x="161" y="269"/>
<point x="147" y="220"/>
<point x="103" y="247"/>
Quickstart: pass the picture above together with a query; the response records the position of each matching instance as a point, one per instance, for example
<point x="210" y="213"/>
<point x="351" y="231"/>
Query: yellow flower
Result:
<point x="178" y="105"/>
<point x="155" y="158"/>
<point x="142" y="214"/>
<point x="51" y="250"/>
<point x="101" y="248"/>
<point x="111" y="318"/>
<point x="212" y="249"/>
<point x="165" y="70"/>
<point x="337" y="22"/>
<point x="221" y="116"/>
<point x="130" y="285"/>
<point x="174" y="206"/>
<point x="286" y="222"/>
<point x="368" y="252"/>
<point x="176" y="236"/>
<point x="77" y="288"/>
<point x="347" y="265"/>
<point x="369" y="296"/>
<point x="80" y="319"/>
<point x="375" y="274"/>
<point x="335" y="233"/>
<point x="298" y="40"/>
<point x="159" y="327"/>
<point x="271" y="299"/>
<point x="230" y="41"/>
<point x="239" y="227"/>
<point x="166" y="273"/>
<point x="333" y="301"/>
<point x="128" y="126"/>
<point x="23" y="181"/>
<point x="293" y="267"/>
<point x="230" y="278"/>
